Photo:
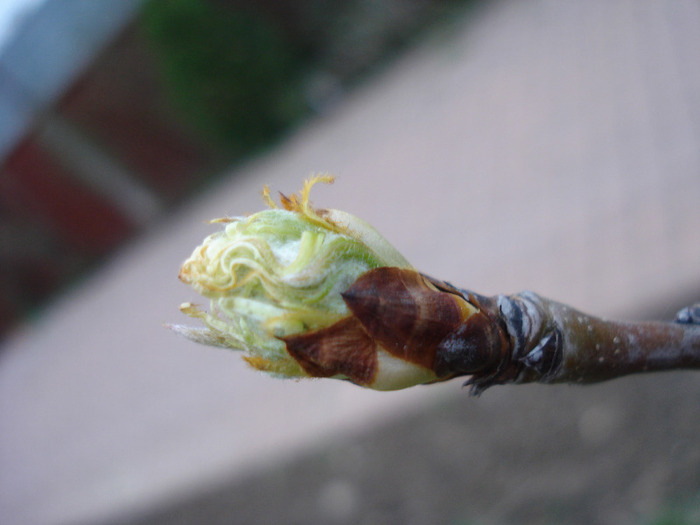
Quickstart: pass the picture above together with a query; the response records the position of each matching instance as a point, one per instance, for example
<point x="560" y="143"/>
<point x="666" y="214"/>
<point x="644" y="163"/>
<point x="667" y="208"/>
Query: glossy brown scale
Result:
<point x="472" y="348"/>
<point x="344" y="348"/>
<point x="413" y="317"/>
<point x="405" y="313"/>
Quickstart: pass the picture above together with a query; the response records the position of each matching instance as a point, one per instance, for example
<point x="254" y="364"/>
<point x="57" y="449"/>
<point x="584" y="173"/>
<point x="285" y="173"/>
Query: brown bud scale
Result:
<point x="344" y="348"/>
<point x="405" y="313"/>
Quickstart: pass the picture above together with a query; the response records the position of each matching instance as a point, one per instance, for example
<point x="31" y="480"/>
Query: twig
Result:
<point x="308" y="292"/>
<point x="550" y="342"/>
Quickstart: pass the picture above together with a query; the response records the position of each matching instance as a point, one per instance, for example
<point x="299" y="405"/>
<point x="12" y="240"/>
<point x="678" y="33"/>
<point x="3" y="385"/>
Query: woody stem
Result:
<point x="561" y="344"/>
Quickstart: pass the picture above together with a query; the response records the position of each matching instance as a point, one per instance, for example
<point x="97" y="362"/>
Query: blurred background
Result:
<point x="115" y="114"/>
<point x="502" y="145"/>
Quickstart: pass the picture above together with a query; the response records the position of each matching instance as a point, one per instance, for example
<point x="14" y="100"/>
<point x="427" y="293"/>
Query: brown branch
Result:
<point x="551" y="342"/>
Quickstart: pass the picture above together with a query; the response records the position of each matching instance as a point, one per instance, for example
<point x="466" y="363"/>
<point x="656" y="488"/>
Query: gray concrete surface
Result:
<point x="528" y="144"/>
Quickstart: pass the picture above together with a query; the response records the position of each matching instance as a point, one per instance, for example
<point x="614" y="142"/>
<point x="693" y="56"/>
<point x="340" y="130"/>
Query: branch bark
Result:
<point x="551" y="342"/>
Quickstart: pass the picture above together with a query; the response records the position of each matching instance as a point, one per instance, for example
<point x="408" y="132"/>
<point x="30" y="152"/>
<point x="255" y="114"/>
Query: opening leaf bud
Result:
<point x="296" y="289"/>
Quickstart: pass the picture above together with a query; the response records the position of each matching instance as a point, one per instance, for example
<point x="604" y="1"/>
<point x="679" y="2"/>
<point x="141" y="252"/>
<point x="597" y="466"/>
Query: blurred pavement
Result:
<point x="534" y="144"/>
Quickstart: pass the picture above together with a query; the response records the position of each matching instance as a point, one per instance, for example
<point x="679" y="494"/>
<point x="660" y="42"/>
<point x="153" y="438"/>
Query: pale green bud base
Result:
<point x="281" y="272"/>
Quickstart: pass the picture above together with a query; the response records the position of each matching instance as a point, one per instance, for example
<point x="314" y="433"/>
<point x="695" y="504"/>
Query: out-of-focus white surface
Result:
<point x="11" y="14"/>
<point x="543" y="145"/>
<point x="44" y="47"/>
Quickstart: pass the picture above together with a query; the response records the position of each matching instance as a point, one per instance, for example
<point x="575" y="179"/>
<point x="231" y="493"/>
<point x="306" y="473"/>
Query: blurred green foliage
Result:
<point x="229" y="71"/>
<point x="678" y="513"/>
<point x="241" y="72"/>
